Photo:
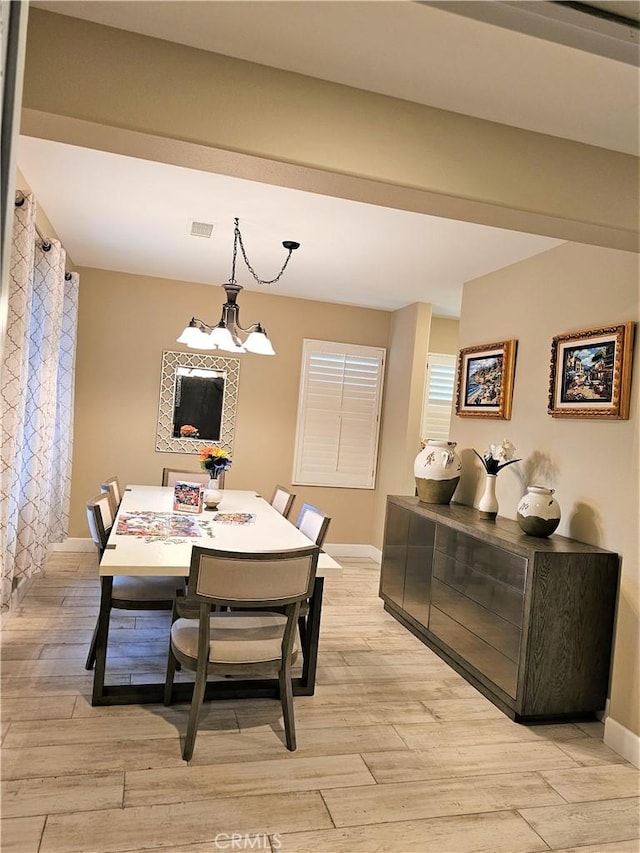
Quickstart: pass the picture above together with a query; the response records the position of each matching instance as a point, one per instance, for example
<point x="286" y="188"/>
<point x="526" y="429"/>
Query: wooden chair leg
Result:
<point x="194" y="714"/>
<point x="172" y="664"/>
<point x="286" y="700"/>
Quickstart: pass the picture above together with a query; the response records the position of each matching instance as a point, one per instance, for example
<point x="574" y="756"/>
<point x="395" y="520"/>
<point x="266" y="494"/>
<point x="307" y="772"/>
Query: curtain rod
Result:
<point x="20" y="200"/>
<point x="46" y="244"/>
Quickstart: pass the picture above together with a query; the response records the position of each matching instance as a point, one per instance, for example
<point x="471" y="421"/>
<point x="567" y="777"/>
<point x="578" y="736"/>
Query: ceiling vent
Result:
<point x="200" y="229"/>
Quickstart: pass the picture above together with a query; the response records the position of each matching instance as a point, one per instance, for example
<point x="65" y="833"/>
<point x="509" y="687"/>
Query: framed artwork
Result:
<point x="485" y="380"/>
<point x="590" y="375"/>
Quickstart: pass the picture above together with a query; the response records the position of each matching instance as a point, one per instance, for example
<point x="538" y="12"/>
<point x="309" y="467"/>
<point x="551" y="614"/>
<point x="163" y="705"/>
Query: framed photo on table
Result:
<point x="590" y="373"/>
<point x="485" y="380"/>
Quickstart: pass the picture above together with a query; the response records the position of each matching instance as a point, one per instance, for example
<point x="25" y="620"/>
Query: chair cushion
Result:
<point x="236" y="638"/>
<point x="145" y="588"/>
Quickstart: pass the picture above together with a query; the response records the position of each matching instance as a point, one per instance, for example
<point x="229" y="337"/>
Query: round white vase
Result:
<point x="488" y="505"/>
<point x="212" y="495"/>
<point x="437" y="471"/>
<point x="538" y="511"/>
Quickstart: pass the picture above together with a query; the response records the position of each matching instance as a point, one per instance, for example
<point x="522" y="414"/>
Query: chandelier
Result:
<point x="228" y="334"/>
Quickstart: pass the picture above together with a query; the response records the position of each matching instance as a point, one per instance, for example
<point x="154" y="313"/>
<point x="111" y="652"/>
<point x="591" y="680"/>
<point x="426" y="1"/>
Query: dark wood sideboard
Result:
<point x="528" y="621"/>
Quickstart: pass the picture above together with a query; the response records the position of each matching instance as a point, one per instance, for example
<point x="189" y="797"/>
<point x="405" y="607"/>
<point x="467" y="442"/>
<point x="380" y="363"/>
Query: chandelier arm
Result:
<point x="252" y="328"/>
<point x="197" y="320"/>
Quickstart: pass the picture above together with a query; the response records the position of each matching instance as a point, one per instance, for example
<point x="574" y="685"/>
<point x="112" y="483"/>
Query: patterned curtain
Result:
<point x="36" y="395"/>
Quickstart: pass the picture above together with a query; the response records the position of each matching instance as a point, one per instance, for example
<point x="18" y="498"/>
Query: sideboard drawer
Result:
<point x="496" y="632"/>
<point x="486" y="559"/>
<point x="485" y="658"/>
<point x="500" y="598"/>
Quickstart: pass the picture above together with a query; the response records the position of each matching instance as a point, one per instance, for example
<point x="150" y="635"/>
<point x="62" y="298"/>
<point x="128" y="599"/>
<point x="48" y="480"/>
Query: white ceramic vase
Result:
<point x="488" y="505"/>
<point x="212" y="494"/>
<point x="437" y="471"/>
<point x="538" y="511"/>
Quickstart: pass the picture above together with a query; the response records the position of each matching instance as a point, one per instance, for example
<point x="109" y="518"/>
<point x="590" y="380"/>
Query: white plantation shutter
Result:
<point x="338" y="415"/>
<point x="438" y="396"/>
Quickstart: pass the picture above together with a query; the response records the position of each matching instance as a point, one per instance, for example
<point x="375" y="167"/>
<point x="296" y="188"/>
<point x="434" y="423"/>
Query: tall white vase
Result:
<point x="488" y="505"/>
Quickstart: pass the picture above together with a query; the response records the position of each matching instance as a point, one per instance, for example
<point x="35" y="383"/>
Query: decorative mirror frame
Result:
<point x="165" y="441"/>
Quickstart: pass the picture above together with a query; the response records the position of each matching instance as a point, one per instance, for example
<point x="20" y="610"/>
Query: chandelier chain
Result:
<point x="238" y="239"/>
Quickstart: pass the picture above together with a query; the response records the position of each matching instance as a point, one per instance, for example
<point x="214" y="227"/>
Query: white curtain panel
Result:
<point x="36" y="393"/>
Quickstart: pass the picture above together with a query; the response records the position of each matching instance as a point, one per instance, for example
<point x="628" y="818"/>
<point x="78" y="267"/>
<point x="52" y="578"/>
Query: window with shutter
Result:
<point x="338" y="415"/>
<point x="438" y="396"/>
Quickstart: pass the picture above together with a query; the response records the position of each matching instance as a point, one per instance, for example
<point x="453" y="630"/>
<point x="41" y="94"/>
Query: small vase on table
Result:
<point x="212" y="494"/>
<point x="488" y="505"/>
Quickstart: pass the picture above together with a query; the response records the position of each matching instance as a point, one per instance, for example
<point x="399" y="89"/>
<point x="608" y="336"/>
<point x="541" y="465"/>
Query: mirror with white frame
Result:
<point x="198" y="399"/>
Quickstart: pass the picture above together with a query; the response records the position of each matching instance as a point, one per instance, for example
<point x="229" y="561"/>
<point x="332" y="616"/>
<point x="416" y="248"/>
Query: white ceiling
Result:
<point x="125" y="214"/>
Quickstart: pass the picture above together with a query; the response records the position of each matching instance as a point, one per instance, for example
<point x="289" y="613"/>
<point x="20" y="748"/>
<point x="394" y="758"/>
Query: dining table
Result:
<point x="149" y="538"/>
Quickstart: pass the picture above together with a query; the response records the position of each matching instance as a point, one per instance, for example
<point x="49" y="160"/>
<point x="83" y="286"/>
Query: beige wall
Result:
<point x="443" y="337"/>
<point x="592" y="464"/>
<point x="125" y="324"/>
<point x="118" y="414"/>
<point x="96" y="86"/>
<point x="401" y="408"/>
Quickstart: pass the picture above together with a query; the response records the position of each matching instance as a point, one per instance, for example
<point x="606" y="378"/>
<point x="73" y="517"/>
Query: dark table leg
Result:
<point x="307" y="684"/>
<point x="102" y="637"/>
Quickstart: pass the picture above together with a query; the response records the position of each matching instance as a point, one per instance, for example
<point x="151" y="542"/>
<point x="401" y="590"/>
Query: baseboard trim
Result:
<point x="346" y="550"/>
<point x="74" y="544"/>
<point x="623" y="741"/>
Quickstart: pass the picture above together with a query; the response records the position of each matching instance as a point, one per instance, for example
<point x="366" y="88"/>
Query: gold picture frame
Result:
<point x="590" y="373"/>
<point x="485" y="380"/>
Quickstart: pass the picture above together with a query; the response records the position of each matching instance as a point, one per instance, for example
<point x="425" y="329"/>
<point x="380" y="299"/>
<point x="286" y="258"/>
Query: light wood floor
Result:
<point x="396" y="752"/>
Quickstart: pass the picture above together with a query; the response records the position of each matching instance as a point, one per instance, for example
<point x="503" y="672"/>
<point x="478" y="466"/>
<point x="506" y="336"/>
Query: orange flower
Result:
<point x="214" y="458"/>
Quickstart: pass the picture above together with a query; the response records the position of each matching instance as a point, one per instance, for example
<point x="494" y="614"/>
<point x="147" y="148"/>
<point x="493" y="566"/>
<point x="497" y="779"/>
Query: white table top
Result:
<point x="137" y="555"/>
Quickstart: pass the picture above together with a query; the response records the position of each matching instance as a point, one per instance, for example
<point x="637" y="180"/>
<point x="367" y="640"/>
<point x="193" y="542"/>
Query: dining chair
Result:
<point x="170" y="476"/>
<point x="282" y="500"/>
<point x="236" y="643"/>
<point x="112" y="487"/>
<point x="127" y="593"/>
<point x="313" y="523"/>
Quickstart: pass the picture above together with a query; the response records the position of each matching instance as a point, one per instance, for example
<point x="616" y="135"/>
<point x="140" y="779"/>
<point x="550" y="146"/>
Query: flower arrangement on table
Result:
<point x="498" y="456"/>
<point x="215" y="460"/>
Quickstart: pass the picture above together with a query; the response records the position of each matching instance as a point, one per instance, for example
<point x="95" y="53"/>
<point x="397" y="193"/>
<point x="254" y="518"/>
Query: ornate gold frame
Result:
<point x="616" y="404"/>
<point x="501" y="407"/>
